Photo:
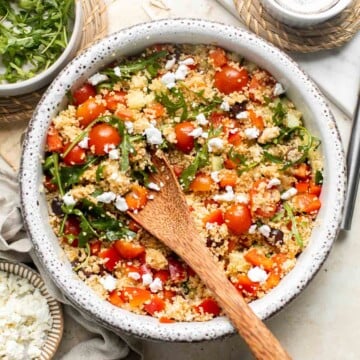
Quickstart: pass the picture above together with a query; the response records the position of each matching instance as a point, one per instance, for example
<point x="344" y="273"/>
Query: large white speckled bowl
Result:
<point x="300" y="89"/>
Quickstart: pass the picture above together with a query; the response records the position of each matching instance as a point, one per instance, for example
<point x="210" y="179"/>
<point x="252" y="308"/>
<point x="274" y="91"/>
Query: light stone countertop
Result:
<point x="324" y="321"/>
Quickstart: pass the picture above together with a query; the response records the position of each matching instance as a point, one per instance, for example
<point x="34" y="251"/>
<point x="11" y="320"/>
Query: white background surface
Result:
<point x="324" y="321"/>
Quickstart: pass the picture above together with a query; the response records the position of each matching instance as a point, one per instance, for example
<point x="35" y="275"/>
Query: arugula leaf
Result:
<point x="319" y="177"/>
<point x="51" y="165"/>
<point x="99" y="172"/>
<point x="174" y="103"/>
<point x="279" y="114"/>
<point x="273" y="158"/>
<point x="188" y="174"/>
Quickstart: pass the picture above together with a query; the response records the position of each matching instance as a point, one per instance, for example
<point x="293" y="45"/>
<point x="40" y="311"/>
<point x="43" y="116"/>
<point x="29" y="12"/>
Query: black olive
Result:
<point x="56" y="206"/>
<point x="277" y="236"/>
<point x="237" y="108"/>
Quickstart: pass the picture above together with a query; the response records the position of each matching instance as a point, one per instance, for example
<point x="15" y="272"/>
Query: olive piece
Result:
<point x="237" y="108"/>
<point x="56" y="205"/>
<point x="277" y="236"/>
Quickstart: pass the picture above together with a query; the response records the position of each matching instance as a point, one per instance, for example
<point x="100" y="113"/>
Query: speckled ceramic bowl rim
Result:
<point x="55" y="334"/>
<point x="309" y="100"/>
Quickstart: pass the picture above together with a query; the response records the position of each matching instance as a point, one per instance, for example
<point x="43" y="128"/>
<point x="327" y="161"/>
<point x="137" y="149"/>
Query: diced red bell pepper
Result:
<point x="95" y="247"/>
<point x="215" y="216"/>
<point x="245" y="285"/>
<point x="166" y="320"/>
<point x="163" y="275"/>
<point x="155" y="305"/>
<point x="129" y="250"/>
<point x="111" y="256"/>
<point x="209" y="306"/>
<point x="135" y="296"/>
<point x="115" y="298"/>
<point x="256" y="258"/>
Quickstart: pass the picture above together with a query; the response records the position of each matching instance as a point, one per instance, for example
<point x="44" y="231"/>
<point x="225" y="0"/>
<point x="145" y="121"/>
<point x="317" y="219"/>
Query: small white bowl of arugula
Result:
<point x="37" y="39"/>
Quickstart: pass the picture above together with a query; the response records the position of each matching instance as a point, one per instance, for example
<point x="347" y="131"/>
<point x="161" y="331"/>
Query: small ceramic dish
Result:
<point x="46" y="76"/>
<point x="55" y="334"/>
<point x="299" y="88"/>
<point x="303" y="13"/>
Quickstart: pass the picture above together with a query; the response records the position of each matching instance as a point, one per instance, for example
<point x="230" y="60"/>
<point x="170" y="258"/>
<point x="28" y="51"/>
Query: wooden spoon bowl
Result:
<point x="167" y="217"/>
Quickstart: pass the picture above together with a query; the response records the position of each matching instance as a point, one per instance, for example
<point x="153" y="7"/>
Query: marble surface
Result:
<point x="324" y="321"/>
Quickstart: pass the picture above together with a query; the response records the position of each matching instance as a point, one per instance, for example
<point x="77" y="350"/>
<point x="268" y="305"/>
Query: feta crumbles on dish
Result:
<point x="25" y="318"/>
<point x="250" y="171"/>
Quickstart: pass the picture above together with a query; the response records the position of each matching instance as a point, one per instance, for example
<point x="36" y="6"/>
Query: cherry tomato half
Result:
<point x="102" y="138"/>
<point x="238" y="219"/>
<point x="184" y="141"/>
<point x="89" y="110"/>
<point x="114" y="98"/>
<point x="230" y="79"/>
<point x="81" y="94"/>
<point x="76" y="156"/>
<point x="53" y="140"/>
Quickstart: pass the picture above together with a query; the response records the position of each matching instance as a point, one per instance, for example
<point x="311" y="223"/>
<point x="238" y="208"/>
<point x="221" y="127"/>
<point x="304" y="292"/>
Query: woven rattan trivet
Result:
<point x="330" y="34"/>
<point x="20" y="108"/>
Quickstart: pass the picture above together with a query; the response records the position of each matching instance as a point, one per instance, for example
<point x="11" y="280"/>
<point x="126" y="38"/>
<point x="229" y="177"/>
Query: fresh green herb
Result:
<point x="205" y="109"/>
<point x="278" y="216"/>
<point x="241" y="161"/>
<point x="273" y="158"/>
<point x="151" y="64"/>
<point x="279" y="114"/>
<point x="185" y="287"/>
<point x="188" y="174"/>
<point x="319" y="177"/>
<point x="174" y="102"/>
<point x="99" y="172"/>
<point x="33" y="34"/>
<point x="51" y="165"/>
<point x="294" y="229"/>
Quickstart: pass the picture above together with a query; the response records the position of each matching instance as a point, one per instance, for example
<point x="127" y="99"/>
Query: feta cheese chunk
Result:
<point x="227" y="196"/>
<point x="242" y="198"/>
<point x="252" y="229"/>
<point x="215" y="145"/>
<point x="108" y="282"/>
<point x="84" y="143"/>
<point x="97" y="79"/>
<point x="114" y="154"/>
<point x="196" y="132"/>
<point x="188" y="61"/>
<point x="117" y="71"/>
<point x="69" y="199"/>
<point x="181" y="72"/>
<point x="106" y="197"/>
<point x="265" y="230"/>
<point x="242" y="115"/>
<point x="134" y="275"/>
<point x="288" y="194"/>
<point x="257" y="274"/>
<point x="153" y="136"/>
<point x="273" y="182"/>
<point x="168" y="80"/>
<point x="215" y="176"/>
<point x="153" y="186"/>
<point x="252" y="133"/>
<point x="147" y="279"/>
<point x="120" y="203"/>
<point x="201" y="119"/>
<point x="225" y="106"/>
<point x="156" y="285"/>
<point x="170" y="64"/>
<point x="129" y="126"/>
<point x="278" y="89"/>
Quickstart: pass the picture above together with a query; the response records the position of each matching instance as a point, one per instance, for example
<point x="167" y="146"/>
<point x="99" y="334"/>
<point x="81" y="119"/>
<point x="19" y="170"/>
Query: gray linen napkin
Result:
<point x="15" y="246"/>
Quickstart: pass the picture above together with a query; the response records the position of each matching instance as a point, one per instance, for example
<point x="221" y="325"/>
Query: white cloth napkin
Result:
<point x="15" y="246"/>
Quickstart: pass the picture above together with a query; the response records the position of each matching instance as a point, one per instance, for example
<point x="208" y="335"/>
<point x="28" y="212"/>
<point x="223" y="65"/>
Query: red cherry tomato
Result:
<point x="81" y="94"/>
<point x="184" y="141"/>
<point x="201" y="183"/>
<point x="76" y="156"/>
<point x="114" y="98"/>
<point x="72" y="227"/>
<point x="89" y="110"/>
<point x="209" y="306"/>
<point x="230" y="79"/>
<point x="238" y="219"/>
<point x="102" y="138"/>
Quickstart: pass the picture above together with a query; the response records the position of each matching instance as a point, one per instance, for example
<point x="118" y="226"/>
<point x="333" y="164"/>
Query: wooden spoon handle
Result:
<point x="261" y="341"/>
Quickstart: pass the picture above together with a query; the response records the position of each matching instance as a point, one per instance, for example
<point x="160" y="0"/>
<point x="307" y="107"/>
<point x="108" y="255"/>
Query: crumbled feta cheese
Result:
<point x="108" y="282"/>
<point x="288" y="194"/>
<point x="114" y="154"/>
<point x="69" y="199"/>
<point x="151" y="197"/>
<point x="153" y="136"/>
<point x="225" y="106"/>
<point x="273" y="182"/>
<point x="265" y="230"/>
<point x="156" y="285"/>
<point x="188" y="61"/>
<point x="25" y="318"/>
<point x="227" y="196"/>
<point x="209" y="226"/>
<point x="84" y="143"/>
<point x="153" y="186"/>
<point x="205" y="135"/>
<point x="196" y="132"/>
<point x="242" y="198"/>
<point x="168" y="79"/>
<point x="147" y="279"/>
<point x="117" y="71"/>
<point x="181" y="72"/>
<point x="170" y="64"/>
<point x="120" y="203"/>
<point x="215" y="145"/>
<point x="257" y="274"/>
<point x="97" y="79"/>
<point x="278" y="89"/>
<point x="108" y="147"/>
<point x="215" y="176"/>
<point x="252" y="133"/>
<point x="252" y="229"/>
<point x="201" y="119"/>
<point x="106" y="197"/>
<point x="134" y="275"/>
<point x="242" y="115"/>
<point x="129" y="126"/>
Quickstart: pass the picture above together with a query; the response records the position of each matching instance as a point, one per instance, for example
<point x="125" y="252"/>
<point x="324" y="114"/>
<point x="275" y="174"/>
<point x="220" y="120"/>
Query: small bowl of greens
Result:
<point x="37" y="39"/>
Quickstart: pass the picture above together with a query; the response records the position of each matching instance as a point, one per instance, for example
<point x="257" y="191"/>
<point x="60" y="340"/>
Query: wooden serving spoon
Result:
<point x="167" y="217"/>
